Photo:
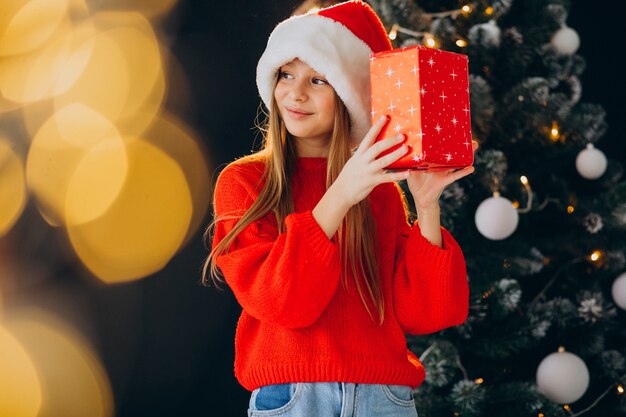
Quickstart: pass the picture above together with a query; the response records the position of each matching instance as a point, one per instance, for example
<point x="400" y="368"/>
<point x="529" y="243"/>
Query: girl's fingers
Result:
<point x="395" y="176"/>
<point x="371" y="135"/>
<point x="388" y="159"/>
<point x="381" y="146"/>
<point x="457" y="175"/>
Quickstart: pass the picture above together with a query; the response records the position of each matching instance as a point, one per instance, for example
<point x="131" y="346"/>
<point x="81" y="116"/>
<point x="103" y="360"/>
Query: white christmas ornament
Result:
<point x="619" y="291"/>
<point x="565" y="41"/>
<point x="591" y="163"/>
<point x="496" y="218"/>
<point x="562" y="377"/>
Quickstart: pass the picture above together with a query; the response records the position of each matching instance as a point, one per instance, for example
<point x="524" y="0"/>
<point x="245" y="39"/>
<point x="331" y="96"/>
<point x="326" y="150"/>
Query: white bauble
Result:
<point x="562" y="377"/>
<point x="496" y="218"/>
<point x="565" y="41"/>
<point x="591" y="163"/>
<point x="618" y="291"/>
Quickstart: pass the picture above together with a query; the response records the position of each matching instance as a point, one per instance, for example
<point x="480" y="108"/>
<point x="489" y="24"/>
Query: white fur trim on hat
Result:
<point x="330" y="49"/>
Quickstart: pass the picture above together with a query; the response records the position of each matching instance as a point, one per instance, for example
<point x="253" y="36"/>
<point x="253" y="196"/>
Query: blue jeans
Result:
<point x="332" y="399"/>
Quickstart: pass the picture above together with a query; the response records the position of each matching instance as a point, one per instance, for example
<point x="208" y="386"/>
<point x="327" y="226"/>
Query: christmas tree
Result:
<point x="541" y="222"/>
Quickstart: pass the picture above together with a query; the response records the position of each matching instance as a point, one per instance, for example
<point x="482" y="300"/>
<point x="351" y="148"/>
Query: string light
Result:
<point x="620" y="390"/>
<point x="479" y="381"/>
<point x="570" y="209"/>
<point x="561" y="349"/>
<point x="595" y="255"/>
<point x="515" y="204"/>
<point x="489" y="12"/>
<point x="393" y="34"/>
<point x="567" y="407"/>
<point x="429" y="40"/>
<point x="529" y="192"/>
<point x="554" y="132"/>
<point x="540" y="415"/>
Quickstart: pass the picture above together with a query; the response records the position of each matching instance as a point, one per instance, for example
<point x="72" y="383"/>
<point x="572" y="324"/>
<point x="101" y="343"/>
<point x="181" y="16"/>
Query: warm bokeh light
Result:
<point x="461" y="43"/>
<point x="76" y="165"/>
<point x="467" y="8"/>
<point x="27" y="24"/>
<point x="561" y="349"/>
<point x="620" y="389"/>
<point x="524" y="180"/>
<point x="12" y="186"/>
<point x="149" y="8"/>
<point x="479" y="381"/>
<point x="595" y="255"/>
<point x="489" y="11"/>
<point x="170" y="135"/>
<point x="124" y="74"/>
<point x="570" y="209"/>
<point x="20" y="391"/>
<point x="430" y="41"/>
<point x="72" y="379"/>
<point x="146" y="224"/>
<point x="554" y="132"/>
<point x="50" y="70"/>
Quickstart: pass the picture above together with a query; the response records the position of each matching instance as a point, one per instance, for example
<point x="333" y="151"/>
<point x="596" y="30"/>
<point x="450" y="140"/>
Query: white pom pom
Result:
<point x="591" y="163"/>
<point x="496" y="218"/>
<point x="619" y="291"/>
<point x="565" y="41"/>
<point x="563" y="377"/>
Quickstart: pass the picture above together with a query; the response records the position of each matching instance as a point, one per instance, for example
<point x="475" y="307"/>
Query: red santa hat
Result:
<point x="337" y="42"/>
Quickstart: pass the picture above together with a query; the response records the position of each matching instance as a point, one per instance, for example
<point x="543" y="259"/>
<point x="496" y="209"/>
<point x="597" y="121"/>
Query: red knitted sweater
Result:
<point x="300" y="323"/>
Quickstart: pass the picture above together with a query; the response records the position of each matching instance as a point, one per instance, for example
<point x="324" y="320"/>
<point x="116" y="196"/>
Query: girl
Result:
<point x="313" y="238"/>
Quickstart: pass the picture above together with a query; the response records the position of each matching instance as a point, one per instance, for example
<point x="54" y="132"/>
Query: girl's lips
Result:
<point x="297" y="113"/>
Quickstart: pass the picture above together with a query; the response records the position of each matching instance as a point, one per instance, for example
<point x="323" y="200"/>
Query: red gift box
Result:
<point x="425" y="92"/>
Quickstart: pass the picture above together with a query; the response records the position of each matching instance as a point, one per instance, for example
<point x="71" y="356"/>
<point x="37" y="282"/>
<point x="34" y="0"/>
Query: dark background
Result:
<point x="167" y="342"/>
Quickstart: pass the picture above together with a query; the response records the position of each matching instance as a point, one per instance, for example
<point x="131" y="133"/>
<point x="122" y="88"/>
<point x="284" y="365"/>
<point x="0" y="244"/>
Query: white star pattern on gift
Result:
<point x="430" y="108"/>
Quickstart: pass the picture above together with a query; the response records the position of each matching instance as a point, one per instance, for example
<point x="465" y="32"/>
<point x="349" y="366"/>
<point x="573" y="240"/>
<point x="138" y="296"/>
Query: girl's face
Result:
<point x="306" y="103"/>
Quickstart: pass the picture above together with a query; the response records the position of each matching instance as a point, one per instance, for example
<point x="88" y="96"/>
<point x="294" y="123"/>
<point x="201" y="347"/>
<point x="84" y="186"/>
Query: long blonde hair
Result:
<point x="357" y="250"/>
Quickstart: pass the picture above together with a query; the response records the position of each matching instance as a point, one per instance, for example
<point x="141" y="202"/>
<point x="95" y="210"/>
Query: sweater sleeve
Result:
<point x="430" y="289"/>
<point x="286" y="279"/>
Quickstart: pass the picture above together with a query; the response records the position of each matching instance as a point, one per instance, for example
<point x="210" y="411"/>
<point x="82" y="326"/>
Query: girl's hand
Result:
<point x="426" y="187"/>
<point x="363" y="171"/>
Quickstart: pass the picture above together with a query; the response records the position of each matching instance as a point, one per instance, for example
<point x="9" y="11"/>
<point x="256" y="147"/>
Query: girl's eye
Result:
<point x="285" y="75"/>
<point x="319" y="81"/>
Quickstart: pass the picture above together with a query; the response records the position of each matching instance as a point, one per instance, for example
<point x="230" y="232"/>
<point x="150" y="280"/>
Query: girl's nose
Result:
<point x="298" y="91"/>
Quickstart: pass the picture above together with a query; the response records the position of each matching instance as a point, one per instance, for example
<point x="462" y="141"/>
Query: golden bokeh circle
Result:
<point x="68" y="137"/>
<point x="12" y="186"/>
<point x="20" y="391"/>
<point x="146" y="224"/>
<point x="73" y="381"/>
